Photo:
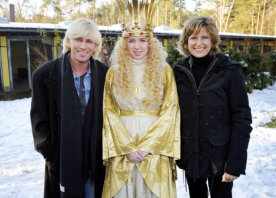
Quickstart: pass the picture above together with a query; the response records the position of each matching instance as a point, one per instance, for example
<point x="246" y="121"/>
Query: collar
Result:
<point x="200" y="62"/>
<point x="140" y="60"/>
<point x="87" y="73"/>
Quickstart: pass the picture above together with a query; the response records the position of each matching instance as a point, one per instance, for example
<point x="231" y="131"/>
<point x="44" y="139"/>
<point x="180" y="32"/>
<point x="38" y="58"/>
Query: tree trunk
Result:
<point x="252" y="17"/>
<point x="179" y="18"/>
<point x="113" y="13"/>
<point x="93" y="10"/>
<point x="157" y="17"/>
<point x="262" y="25"/>
<point x="229" y="13"/>
<point x="166" y="16"/>
<point x="275" y="28"/>
<point x="222" y="9"/>
<point x="220" y="15"/>
<point x="259" y="11"/>
<point x="269" y="18"/>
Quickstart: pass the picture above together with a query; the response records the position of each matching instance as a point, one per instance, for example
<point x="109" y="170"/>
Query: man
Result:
<point x="66" y="115"/>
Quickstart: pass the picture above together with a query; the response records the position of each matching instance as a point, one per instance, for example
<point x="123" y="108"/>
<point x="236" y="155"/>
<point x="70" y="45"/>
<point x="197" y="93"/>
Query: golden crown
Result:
<point x="139" y="19"/>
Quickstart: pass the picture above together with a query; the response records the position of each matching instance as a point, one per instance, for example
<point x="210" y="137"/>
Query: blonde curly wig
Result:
<point x="124" y="74"/>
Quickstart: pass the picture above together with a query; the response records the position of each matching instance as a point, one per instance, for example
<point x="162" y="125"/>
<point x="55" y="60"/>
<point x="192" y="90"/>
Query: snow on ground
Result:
<point x="22" y="168"/>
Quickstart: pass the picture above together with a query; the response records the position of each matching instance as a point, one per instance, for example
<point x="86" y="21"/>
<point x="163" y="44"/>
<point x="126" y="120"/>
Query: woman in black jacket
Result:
<point x="215" y="115"/>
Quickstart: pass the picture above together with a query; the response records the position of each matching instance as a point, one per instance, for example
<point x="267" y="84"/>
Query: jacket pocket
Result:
<point x="218" y="136"/>
<point x="218" y="157"/>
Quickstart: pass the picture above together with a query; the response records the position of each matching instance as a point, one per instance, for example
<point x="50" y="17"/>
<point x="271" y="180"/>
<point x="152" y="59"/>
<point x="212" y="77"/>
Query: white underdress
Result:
<point x="137" y="126"/>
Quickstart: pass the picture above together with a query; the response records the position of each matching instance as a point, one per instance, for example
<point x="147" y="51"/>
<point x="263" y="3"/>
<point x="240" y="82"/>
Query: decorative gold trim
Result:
<point x="139" y="113"/>
<point x="138" y="90"/>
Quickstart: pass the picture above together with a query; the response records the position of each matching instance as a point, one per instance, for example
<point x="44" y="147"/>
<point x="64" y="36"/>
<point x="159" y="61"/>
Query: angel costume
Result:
<point x="132" y="124"/>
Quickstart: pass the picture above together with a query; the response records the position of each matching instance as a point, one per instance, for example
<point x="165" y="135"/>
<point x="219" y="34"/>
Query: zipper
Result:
<point x="197" y="108"/>
<point x="214" y="62"/>
<point x="193" y="78"/>
<point x="191" y="75"/>
<point x="196" y="91"/>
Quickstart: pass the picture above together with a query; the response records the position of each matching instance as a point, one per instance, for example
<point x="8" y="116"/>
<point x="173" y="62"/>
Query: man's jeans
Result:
<point x="89" y="189"/>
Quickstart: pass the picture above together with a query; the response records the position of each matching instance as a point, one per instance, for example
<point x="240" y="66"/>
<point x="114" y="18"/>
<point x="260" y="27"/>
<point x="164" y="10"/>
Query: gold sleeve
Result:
<point x="163" y="137"/>
<point x="116" y="139"/>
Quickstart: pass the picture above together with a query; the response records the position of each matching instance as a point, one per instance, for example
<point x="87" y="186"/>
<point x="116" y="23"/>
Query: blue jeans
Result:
<point x="89" y="189"/>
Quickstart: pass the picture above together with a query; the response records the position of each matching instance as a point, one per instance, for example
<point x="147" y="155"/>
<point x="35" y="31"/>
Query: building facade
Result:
<point x="25" y="46"/>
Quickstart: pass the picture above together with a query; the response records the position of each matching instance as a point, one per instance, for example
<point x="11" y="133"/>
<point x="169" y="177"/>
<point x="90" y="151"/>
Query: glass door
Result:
<point x="19" y="65"/>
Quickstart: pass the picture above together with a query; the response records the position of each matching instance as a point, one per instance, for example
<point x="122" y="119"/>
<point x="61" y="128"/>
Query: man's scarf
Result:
<point x="77" y="140"/>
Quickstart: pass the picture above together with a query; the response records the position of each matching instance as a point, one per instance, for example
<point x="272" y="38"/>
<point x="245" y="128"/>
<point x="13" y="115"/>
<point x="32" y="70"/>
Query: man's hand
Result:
<point x="135" y="157"/>
<point x="228" y="178"/>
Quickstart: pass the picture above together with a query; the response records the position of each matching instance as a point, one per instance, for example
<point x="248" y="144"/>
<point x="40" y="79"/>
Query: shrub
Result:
<point x="173" y="53"/>
<point x="256" y="73"/>
<point x="259" y="70"/>
<point x="271" y="124"/>
<point x="271" y="64"/>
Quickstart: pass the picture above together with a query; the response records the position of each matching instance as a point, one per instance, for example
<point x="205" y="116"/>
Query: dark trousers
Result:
<point x="198" y="187"/>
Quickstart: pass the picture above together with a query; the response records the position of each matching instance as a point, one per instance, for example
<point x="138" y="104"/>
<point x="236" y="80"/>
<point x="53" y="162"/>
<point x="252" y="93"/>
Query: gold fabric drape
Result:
<point x="162" y="140"/>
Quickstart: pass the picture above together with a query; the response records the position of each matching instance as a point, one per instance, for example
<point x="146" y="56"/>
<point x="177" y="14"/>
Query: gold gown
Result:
<point x="130" y="125"/>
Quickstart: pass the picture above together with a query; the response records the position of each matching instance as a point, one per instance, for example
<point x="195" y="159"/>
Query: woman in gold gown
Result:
<point x="141" y="132"/>
<point x="141" y="138"/>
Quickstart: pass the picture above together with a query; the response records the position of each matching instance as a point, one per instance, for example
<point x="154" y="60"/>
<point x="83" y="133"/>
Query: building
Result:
<point x="25" y="46"/>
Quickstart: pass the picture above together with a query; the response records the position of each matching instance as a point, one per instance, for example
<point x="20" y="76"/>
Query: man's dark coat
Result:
<point x="215" y="119"/>
<point x="46" y="119"/>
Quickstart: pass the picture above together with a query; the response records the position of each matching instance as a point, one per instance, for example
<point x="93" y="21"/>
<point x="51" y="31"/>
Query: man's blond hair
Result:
<point x="81" y="28"/>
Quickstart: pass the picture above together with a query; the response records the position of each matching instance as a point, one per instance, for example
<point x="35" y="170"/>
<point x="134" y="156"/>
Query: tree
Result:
<point x="4" y="8"/>
<point x="198" y="6"/>
<point x="224" y="9"/>
<point x="239" y="16"/>
<point x="243" y="16"/>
